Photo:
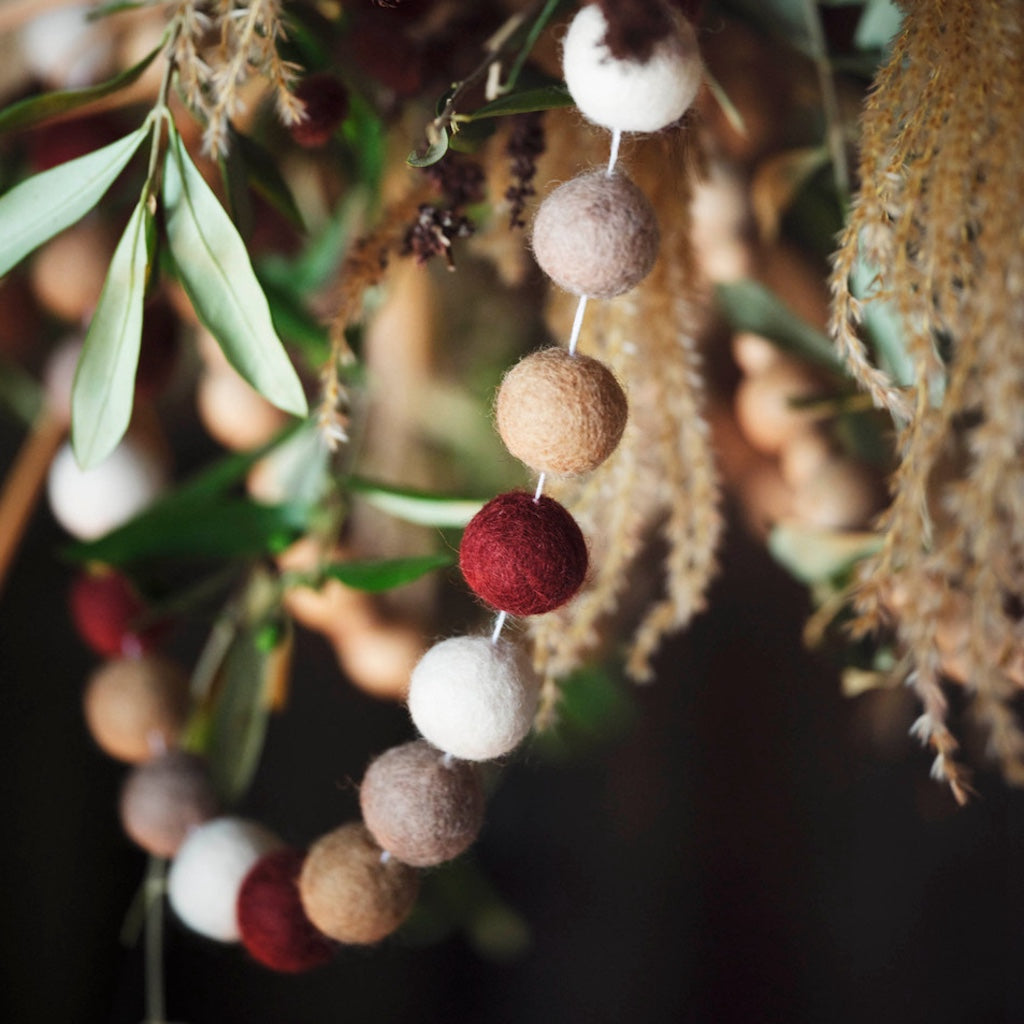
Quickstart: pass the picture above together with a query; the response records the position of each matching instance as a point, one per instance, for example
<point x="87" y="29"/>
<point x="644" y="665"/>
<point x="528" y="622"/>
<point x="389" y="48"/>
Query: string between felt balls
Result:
<point x="577" y="325"/>
<point x="385" y="856"/>
<point x="613" y="156"/>
<point x="540" y="487"/>
<point x="448" y="759"/>
<point x="499" y="623"/>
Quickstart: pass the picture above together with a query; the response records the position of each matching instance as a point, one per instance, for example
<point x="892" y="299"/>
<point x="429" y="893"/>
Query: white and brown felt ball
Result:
<point x="560" y="413"/>
<point x="164" y="799"/>
<point x="420" y="806"/>
<point x="351" y="892"/>
<point x="596" y="235"/>
<point x="135" y="708"/>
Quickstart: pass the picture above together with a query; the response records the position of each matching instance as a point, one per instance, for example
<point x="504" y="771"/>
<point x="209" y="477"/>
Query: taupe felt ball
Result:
<point x="350" y="893"/>
<point x="135" y="708"/>
<point x="596" y="235"/>
<point x="164" y="799"/>
<point x="560" y="413"/>
<point x="420" y="806"/>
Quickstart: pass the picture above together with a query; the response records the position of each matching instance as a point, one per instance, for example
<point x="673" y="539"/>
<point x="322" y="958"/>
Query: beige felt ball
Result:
<point x="233" y="413"/>
<point x="351" y="891"/>
<point x="560" y="413"/>
<point x="164" y="799"/>
<point x="596" y="235"/>
<point x="135" y="708"/>
<point x="68" y="272"/>
<point x="422" y="807"/>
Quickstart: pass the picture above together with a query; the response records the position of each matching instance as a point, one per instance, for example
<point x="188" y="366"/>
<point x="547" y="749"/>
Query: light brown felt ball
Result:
<point x="164" y="799"/>
<point x="596" y="235"/>
<point x="350" y="893"/>
<point x="135" y="708"/>
<point x="420" y="806"/>
<point x="560" y="413"/>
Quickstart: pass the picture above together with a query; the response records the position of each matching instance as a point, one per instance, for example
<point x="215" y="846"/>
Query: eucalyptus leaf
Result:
<point x="101" y="401"/>
<point x="881" y="20"/>
<point x="44" y="205"/>
<point x="216" y="272"/>
<point x="36" y="109"/>
<point x="526" y="101"/>
<point x="385" y="574"/>
<point x="434" y="151"/>
<point x="420" y="507"/>
<point x="750" y="306"/>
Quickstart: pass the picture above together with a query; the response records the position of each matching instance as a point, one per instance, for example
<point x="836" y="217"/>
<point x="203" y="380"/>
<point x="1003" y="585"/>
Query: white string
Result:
<point x="577" y="325"/>
<point x="498" y="623"/>
<point x="385" y="856"/>
<point x="613" y="156"/>
<point x="447" y="759"/>
<point x="540" y="487"/>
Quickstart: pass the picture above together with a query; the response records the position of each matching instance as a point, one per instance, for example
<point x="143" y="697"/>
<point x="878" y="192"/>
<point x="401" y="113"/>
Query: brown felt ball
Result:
<point x="560" y="413"/>
<point x="596" y="235"/>
<point x="353" y="893"/>
<point x="135" y="708"/>
<point x="164" y="799"/>
<point x="420" y="806"/>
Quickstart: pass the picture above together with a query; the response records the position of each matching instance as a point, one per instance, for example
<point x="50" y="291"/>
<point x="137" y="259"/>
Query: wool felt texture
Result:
<point x="625" y="94"/>
<point x="560" y="413"/>
<point x="90" y="502"/>
<point x="272" y="923"/>
<point x="419" y="808"/>
<point x="473" y="698"/>
<point x="350" y="893"/>
<point x="136" y="707"/>
<point x="524" y="555"/>
<point x="164" y="799"/>
<point x="596" y="235"/>
<point x="207" y="874"/>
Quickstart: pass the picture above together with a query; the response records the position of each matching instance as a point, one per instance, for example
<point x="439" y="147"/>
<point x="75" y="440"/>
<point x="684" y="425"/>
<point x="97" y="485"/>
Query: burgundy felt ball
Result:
<point x="107" y="612"/>
<point x="273" y="925"/>
<point x="524" y="555"/>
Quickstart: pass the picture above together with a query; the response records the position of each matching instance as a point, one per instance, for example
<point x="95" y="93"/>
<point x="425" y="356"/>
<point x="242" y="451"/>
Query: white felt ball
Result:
<point x="89" y="503"/>
<point x="207" y="873"/>
<point x="629" y="95"/>
<point x="473" y="698"/>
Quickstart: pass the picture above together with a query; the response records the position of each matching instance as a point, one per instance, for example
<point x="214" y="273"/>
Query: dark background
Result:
<point x="752" y="847"/>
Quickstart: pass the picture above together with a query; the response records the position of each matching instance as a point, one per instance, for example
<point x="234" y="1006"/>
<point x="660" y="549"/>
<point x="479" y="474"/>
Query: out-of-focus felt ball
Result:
<point x="90" y="502"/>
<point x="524" y="555"/>
<point x="351" y="891"/>
<point x="164" y="799"/>
<point x="326" y="103"/>
<point x="420" y="806"/>
<point x="68" y="272"/>
<point x="627" y="94"/>
<point x="768" y="409"/>
<point x="208" y="870"/>
<point x="234" y="413"/>
<point x="136" y="708"/>
<point x="561" y="413"/>
<point x="273" y="926"/>
<point x="472" y="698"/>
<point x="59" y="377"/>
<point x="107" y="612"/>
<point x="596" y="235"/>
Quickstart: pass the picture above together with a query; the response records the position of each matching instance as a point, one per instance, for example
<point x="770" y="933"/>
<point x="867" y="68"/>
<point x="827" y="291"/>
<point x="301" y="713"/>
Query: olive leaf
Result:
<point x="217" y="275"/>
<point x="101" y="401"/>
<point x="47" y="203"/>
<point x="376" y="576"/>
<point x="418" y="507"/>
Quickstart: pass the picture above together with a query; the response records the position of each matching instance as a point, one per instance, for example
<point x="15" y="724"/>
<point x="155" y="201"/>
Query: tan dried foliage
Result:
<point x="938" y="215"/>
<point x="661" y="482"/>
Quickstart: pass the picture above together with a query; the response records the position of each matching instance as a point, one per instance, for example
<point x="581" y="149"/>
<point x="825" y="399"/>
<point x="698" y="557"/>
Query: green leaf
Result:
<point x="434" y="152"/>
<point x="104" y="389"/>
<point x="216" y="272"/>
<point x="750" y="306"/>
<point x="527" y="101"/>
<point x="36" y="109"/>
<point x="813" y="554"/>
<point x="881" y="20"/>
<point x="419" y="507"/>
<point x="385" y="574"/>
<point x="44" y="205"/>
<point x="546" y="13"/>
<point x="20" y="393"/>
<point x="230" y="528"/>
<point x="263" y="175"/>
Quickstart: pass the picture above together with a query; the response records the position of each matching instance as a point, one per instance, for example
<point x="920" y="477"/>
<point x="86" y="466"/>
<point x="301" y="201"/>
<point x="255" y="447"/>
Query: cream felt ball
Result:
<point x="350" y="891"/>
<point x="473" y="698"/>
<point x="560" y="413"/>
<point x="420" y="806"/>
<point x="596" y="235"/>
<point x="630" y="95"/>
<point x="207" y="874"/>
<point x="90" y="502"/>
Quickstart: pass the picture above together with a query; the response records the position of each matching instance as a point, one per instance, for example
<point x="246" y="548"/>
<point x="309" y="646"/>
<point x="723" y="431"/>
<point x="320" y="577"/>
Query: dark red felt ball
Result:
<point x="272" y="923"/>
<point x="522" y="555"/>
<point x="326" y="102"/>
<point x="108" y="612"/>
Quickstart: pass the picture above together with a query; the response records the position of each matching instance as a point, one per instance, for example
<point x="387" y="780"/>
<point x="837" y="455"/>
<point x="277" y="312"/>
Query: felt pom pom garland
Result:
<point x="472" y="698"/>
